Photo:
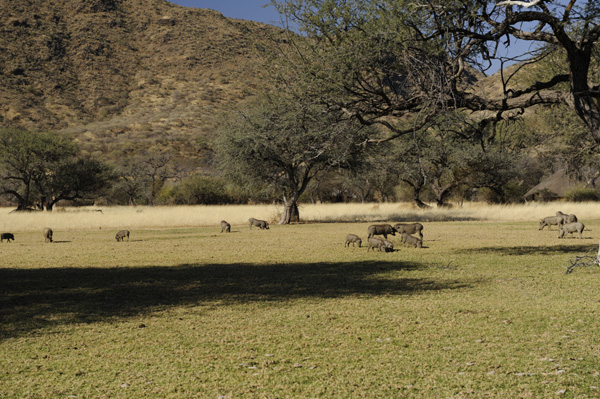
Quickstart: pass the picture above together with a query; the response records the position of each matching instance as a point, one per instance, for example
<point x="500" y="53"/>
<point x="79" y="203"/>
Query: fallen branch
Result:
<point x="582" y="261"/>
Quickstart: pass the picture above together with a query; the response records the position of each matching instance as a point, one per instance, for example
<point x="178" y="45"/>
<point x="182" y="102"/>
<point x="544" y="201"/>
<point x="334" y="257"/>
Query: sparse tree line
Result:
<point x="256" y="159"/>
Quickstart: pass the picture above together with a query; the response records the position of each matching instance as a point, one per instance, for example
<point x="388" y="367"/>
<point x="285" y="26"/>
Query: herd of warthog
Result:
<point x="383" y="244"/>
<point x="48" y="235"/>
<point x="566" y="224"/>
<point x="375" y="243"/>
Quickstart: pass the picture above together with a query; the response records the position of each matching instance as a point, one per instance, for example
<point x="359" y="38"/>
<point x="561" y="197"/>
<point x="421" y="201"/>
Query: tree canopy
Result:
<point x="400" y="63"/>
<point x="40" y="168"/>
<point x="284" y="143"/>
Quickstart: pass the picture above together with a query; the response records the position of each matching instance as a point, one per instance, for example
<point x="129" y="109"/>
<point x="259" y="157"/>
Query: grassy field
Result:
<point x="484" y="310"/>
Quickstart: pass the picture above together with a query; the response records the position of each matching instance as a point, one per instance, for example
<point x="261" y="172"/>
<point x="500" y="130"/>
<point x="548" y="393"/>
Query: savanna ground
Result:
<point x="181" y="310"/>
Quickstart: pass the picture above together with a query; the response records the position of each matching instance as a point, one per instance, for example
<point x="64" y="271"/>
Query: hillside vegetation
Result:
<point x="122" y="75"/>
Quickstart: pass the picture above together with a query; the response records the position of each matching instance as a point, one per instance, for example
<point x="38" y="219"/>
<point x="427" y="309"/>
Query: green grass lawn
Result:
<point x="484" y="310"/>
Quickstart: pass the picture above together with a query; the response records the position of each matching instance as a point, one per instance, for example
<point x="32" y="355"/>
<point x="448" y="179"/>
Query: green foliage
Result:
<point x="43" y="166"/>
<point x="582" y="194"/>
<point x="285" y="143"/>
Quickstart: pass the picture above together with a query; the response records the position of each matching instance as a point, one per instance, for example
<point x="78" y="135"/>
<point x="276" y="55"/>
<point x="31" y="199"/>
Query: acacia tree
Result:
<point x="286" y="143"/>
<point x="75" y="179"/>
<point x="42" y="168"/>
<point x="400" y="63"/>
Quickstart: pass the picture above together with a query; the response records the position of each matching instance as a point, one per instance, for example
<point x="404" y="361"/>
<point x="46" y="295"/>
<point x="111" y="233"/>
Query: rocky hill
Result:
<point x="124" y="75"/>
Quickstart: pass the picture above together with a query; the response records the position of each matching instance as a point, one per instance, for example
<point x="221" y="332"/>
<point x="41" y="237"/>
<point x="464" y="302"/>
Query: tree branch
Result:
<point x="525" y="4"/>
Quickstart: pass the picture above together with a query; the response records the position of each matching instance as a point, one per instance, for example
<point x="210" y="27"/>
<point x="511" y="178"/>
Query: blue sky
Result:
<point x="243" y="9"/>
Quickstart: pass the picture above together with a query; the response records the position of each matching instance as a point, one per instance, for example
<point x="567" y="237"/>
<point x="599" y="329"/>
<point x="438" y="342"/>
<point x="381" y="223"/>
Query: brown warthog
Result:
<point x="570" y="228"/>
<point x="7" y="236"/>
<point x="388" y="246"/>
<point x="566" y="218"/>
<point x="378" y="243"/>
<point x="410" y="228"/>
<point x="354" y="239"/>
<point x="48" y="234"/>
<point x="225" y="227"/>
<point x="258" y="223"/>
<point x="120" y="236"/>
<point x="410" y="240"/>
<point x="381" y="229"/>
<point x="549" y="221"/>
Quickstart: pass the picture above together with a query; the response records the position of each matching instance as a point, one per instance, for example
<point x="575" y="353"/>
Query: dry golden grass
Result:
<point x="237" y="215"/>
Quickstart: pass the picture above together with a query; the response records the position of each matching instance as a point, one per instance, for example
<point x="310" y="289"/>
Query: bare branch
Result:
<point x="525" y="4"/>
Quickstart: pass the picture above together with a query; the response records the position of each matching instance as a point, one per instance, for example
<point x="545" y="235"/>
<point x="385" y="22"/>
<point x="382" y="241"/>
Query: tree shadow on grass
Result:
<point x="530" y="250"/>
<point x="33" y="299"/>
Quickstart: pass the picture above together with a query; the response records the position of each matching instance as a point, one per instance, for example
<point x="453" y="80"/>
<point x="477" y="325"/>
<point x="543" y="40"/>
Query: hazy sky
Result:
<point x="243" y="9"/>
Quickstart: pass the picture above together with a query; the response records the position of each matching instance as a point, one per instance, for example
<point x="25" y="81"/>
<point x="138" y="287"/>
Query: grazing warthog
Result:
<point x="378" y="243"/>
<point x="566" y="218"/>
<point x="410" y="240"/>
<point x="549" y="221"/>
<point x="570" y="228"/>
<point x="381" y="229"/>
<point x="388" y="246"/>
<point x="225" y="227"/>
<point x="258" y="223"/>
<point x="354" y="239"/>
<point x="120" y="236"/>
<point x="7" y="237"/>
<point x="410" y="228"/>
<point x="48" y="234"/>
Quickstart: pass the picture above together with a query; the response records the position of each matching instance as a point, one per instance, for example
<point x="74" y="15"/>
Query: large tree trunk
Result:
<point x="290" y="211"/>
<point x="442" y="192"/>
<point x="586" y="106"/>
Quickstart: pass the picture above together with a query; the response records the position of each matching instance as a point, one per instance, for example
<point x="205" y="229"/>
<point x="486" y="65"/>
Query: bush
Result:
<point x="196" y="190"/>
<point x="582" y="194"/>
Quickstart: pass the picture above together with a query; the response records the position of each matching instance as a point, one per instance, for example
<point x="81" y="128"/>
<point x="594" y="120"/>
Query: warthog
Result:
<point x="378" y="243"/>
<point x="566" y="218"/>
<point x="120" y="236"/>
<point x="410" y="228"/>
<point x="381" y="229"/>
<point x="388" y="246"/>
<point x="549" y="221"/>
<point x="225" y="227"/>
<point x="258" y="223"/>
<point x="48" y="234"/>
<point x="354" y="239"/>
<point x="570" y="228"/>
<point x="410" y="240"/>
<point x="7" y="237"/>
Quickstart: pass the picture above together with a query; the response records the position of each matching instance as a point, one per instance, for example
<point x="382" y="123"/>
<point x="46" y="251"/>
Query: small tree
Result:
<point x="76" y="179"/>
<point x="287" y="143"/>
<point x="133" y="181"/>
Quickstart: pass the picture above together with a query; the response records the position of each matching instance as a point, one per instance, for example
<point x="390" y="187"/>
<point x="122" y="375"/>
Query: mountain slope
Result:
<point x="122" y="75"/>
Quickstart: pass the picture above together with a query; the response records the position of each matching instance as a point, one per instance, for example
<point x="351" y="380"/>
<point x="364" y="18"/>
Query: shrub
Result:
<point x="196" y="190"/>
<point x="582" y="194"/>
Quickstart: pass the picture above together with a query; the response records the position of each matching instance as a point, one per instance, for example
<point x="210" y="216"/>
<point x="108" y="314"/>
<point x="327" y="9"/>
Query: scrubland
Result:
<point x="181" y="310"/>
